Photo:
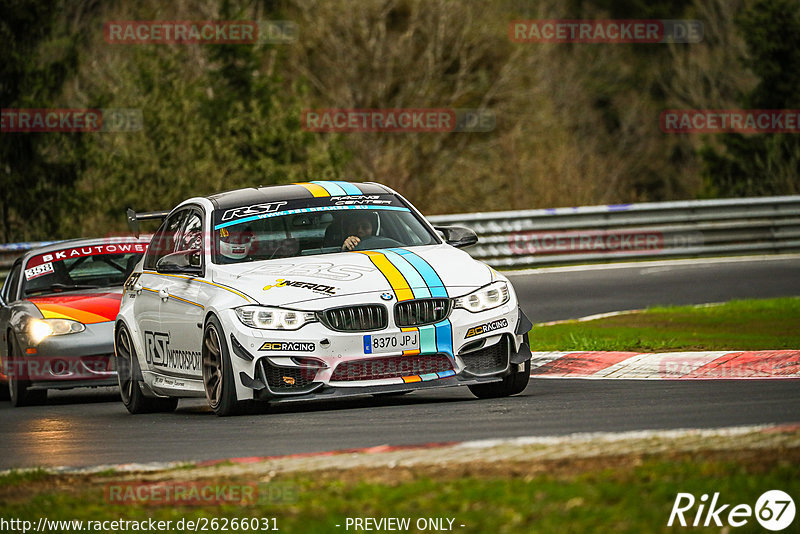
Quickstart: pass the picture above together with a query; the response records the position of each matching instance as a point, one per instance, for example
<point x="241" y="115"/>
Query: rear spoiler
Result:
<point x="134" y="218"/>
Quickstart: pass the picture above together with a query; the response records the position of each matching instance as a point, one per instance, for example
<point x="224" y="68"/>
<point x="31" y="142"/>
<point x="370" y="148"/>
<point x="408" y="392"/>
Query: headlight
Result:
<point x="267" y="318"/>
<point x="488" y="297"/>
<point x="39" y="329"/>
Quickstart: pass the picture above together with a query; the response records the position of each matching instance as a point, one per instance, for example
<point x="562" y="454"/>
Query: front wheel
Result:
<point x="18" y="387"/>
<point x="128" y="375"/>
<point x="510" y="385"/>
<point x="5" y="394"/>
<point x="217" y="371"/>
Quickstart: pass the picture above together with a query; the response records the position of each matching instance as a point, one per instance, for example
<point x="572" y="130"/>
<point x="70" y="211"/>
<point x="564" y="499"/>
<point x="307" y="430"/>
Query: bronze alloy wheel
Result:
<point x="213" y="371"/>
<point x="218" y="380"/>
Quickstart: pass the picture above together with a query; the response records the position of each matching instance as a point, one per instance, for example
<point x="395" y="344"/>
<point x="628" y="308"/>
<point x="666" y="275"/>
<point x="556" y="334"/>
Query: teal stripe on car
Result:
<point x="434" y="283"/>
<point x="350" y="189"/>
<point x="418" y="285"/>
<point x="332" y="188"/>
<point x="427" y="339"/>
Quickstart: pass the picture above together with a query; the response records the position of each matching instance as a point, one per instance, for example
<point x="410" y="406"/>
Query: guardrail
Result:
<point x="10" y="251"/>
<point x="689" y="228"/>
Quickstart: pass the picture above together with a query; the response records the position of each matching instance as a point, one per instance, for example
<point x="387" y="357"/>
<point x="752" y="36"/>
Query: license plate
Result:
<point x="383" y="343"/>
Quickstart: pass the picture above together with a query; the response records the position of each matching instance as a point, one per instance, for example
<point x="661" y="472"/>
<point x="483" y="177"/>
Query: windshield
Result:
<point x="315" y="226"/>
<point x="81" y="267"/>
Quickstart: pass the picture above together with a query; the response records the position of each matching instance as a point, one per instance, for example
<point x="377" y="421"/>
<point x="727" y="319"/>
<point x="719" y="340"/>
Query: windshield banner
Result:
<point x="243" y="214"/>
<point x="79" y="252"/>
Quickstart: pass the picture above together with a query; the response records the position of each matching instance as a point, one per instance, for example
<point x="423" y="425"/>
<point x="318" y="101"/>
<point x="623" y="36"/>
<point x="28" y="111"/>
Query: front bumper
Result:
<point x="85" y="359"/>
<point x="330" y="364"/>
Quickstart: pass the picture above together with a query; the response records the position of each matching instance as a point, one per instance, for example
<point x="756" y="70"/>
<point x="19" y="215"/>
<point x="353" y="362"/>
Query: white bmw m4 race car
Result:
<point x="316" y="290"/>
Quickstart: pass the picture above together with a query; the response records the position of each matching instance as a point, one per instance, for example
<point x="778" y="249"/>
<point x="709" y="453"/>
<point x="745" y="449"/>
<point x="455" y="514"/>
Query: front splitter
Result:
<point x="333" y="392"/>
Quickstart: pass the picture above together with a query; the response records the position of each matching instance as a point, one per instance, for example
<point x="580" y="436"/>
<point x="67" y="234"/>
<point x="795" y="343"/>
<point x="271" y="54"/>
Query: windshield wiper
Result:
<point x="74" y="286"/>
<point x="62" y="287"/>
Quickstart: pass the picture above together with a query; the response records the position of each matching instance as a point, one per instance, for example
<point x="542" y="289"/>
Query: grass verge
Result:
<point x="623" y="493"/>
<point x="737" y="325"/>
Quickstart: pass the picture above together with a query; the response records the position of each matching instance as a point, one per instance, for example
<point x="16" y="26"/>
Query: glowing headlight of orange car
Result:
<point x="38" y="329"/>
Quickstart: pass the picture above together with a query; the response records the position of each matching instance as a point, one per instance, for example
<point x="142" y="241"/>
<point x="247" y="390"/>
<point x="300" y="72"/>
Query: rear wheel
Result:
<point x="217" y="371"/>
<point x="510" y="385"/>
<point x="128" y="374"/>
<point x="18" y="386"/>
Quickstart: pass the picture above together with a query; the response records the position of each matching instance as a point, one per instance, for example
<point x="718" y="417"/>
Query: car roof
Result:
<point x="59" y="245"/>
<point x="272" y="193"/>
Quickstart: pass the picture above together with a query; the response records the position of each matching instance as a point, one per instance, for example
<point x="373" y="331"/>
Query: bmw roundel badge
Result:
<point x="386" y="296"/>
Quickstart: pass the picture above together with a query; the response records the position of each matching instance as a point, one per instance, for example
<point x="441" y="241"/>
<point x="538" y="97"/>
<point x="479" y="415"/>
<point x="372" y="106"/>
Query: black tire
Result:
<point x="128" y="374"/>
<point x="510" y="385"/>
<point x="218" y="372"/>
<point x="18" y="391"/>
<point x="5" y="392"/>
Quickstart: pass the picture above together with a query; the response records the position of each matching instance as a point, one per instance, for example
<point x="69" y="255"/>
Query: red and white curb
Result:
<point x="668" y="365"/>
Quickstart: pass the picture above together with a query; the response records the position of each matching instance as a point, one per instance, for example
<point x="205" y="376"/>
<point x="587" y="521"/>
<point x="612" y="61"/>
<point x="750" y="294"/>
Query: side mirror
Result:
<point x="184" y="261"/>
<point x="458" y="236"/>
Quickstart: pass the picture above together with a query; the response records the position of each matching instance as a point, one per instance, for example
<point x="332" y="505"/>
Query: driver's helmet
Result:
<point x="235" y="245"/>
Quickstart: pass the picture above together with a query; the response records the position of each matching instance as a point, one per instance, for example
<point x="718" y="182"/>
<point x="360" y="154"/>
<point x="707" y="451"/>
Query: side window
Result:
<point x="165" y="238"/>
<point x="192" y="238"/>
<point x="12" y="282"/>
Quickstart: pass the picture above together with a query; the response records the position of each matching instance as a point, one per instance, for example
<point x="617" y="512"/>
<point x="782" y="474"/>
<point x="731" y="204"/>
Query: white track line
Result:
<point x="653" y="263"/>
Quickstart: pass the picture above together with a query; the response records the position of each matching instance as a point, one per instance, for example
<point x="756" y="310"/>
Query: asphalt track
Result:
<point x="91" y="427"/>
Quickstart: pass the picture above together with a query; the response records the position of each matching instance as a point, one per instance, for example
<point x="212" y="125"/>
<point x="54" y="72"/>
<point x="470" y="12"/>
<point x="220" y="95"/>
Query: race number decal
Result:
<point x="39" y="270"/>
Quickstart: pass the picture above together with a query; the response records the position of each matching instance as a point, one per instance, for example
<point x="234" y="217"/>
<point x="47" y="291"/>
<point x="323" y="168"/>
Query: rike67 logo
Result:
<point x="774" y="510"/>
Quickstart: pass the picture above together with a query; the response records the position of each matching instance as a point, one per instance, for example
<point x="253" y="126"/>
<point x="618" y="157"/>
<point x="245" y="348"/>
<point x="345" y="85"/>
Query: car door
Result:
<point x="151" y="288"/>
<point x="180" y="309"/>
<point x="8" y="295"/>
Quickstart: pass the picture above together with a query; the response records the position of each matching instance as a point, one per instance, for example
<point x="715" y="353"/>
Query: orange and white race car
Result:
<point x="57" y="311"/>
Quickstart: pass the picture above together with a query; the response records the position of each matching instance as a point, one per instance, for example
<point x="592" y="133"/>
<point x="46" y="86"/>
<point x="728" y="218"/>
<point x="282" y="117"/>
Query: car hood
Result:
<point x="413" y="272"/>
<point x="87" y="308"/>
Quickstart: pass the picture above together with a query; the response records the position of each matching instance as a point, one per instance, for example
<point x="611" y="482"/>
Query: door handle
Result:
<point x="163" y="293"/>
